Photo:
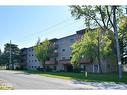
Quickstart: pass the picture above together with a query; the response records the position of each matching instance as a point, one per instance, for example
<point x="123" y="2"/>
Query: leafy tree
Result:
<point x="15" y="54"/>
<point x="105" y="18"/>
<point x="43" y="51"/>
<point x="0" y="52"/>
<point x="92" y="46"/>
<point x="95" y="16"/>
<point x="3" y="60"/>
<point x="123" y="38"/>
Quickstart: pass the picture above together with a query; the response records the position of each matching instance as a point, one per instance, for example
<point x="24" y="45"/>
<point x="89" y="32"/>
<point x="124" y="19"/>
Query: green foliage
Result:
<point x="87" y="47"/>
<point x="95" y="16"/>
<point x="15" y="54"/>
<point x="43" y="51"/>
<point x="123" y="38"/>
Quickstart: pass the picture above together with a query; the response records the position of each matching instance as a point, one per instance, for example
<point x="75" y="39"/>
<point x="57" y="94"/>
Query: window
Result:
<point x="38" y="66"/>
<point x="32" y="60"/>
<point x="63" y="58"/>
<point x="71" y="40"/>
<point x="54" y="67"/>
<point x="29" y="55"/>
<point x="32" y="54"/>
<point x="108" y="65"/>
<point x="29" y="60"/>
<point x="32" y="66"/>
<point x="35" y="60"/>
<point x="63" y="49"/>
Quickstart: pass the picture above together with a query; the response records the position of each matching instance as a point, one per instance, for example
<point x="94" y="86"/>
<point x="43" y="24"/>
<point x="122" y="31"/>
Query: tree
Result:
<point x="123" y="38"/>
<point x="15" y="54"/>
<point x="105" y="18"/>
<point x="3" y="59"/>
<point x="88" y="47"/>
<point x="0" y="53"/>
<point x="43" y="51"/>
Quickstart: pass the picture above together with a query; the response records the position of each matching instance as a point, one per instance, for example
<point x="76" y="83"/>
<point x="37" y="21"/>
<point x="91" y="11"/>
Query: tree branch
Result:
<point x="102" y="18"/>
<point x="109" y="17"/>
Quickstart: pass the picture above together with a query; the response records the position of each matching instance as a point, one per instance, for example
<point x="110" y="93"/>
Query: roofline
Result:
<point x="61" y="38"/>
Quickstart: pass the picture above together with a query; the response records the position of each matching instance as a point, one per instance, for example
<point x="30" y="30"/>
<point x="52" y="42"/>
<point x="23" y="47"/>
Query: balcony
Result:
<point x="50" y="62"/>
<point x="84" y="61"/>
<point x="64" y="62"/>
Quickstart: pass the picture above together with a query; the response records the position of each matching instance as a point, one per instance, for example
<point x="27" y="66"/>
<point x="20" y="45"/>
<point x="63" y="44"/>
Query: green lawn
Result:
<point x="110" y="77"/>
<point x="6" y="88"/>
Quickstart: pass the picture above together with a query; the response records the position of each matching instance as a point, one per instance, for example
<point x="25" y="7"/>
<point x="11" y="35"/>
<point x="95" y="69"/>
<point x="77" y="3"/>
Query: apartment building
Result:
<point x="60" y="60"/>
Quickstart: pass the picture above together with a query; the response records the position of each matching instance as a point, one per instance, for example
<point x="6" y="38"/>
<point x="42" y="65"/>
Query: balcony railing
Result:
<point x="64" y="61"/>
<point x="67" y="61"/>
<point x="50" y="62"/>
<point x="84" y="61"/>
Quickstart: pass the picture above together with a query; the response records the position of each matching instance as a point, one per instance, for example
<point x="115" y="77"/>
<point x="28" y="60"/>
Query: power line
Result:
<point x="52" y="28"/>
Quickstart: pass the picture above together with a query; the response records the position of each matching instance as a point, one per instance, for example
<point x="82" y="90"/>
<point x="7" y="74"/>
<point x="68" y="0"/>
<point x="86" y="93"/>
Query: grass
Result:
<point x="6" y="88"/>
<point x="92" y="77"/>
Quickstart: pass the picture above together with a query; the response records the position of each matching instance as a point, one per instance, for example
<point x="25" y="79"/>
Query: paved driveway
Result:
<point x="21" y="80"/>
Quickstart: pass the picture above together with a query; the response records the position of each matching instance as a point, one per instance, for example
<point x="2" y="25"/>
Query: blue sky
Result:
<point x="24" y="24"/>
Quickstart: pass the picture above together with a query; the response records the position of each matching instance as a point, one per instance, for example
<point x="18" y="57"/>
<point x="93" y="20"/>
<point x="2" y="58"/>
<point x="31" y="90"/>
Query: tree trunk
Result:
<point x="117" y="43"/>
<point x="44" y="66"/>
<point x="98" y="52"/>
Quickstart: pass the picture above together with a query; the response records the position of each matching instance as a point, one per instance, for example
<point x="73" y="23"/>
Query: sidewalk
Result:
<point x="101" y="85"/>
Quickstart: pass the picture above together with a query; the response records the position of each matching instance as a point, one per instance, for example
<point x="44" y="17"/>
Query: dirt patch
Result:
<point x="5" y="85"/>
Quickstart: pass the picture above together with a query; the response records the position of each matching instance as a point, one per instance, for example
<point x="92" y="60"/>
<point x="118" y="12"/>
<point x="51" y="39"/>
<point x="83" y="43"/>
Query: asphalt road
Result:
<point x="21" y="80"/>
<point x="25" y="81"/>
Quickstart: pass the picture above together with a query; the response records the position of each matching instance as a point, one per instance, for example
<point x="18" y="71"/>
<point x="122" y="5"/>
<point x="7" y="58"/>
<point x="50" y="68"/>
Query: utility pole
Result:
<point x="10" y="54"/>
<point x="117" y="43"/>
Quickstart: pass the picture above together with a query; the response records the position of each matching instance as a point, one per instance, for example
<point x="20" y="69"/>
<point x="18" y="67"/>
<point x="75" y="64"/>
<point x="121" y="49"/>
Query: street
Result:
<point x="21" y="80"/>
<point x="25" y="81"/>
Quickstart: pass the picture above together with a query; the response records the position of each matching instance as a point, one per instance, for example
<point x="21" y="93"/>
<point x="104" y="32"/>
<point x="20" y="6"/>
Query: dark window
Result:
<point x="32" y="60"/>
<point x="108" y="65"/>
<point x="55" y="59"/>
<point x="63" y="49"/>
<point x="35" y="60"/>
<point x="32" y="54"/>
<point x="71" y="40"/>
<point x="63" y="58"/>
<point x="84" y="68"/>
<point x="54" y="67"/>
<point x="29" y="60"/>
<point x="32" y="66"/>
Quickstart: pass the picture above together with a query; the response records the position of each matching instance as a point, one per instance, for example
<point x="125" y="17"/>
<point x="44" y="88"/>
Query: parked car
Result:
<point x="40" y="69"/>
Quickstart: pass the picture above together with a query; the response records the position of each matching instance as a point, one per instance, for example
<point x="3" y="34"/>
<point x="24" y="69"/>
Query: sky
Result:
<point x="24" y="24"/>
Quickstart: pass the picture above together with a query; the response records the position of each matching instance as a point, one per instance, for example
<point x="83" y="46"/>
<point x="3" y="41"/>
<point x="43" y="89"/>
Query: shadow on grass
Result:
<point x="92" y="77"/>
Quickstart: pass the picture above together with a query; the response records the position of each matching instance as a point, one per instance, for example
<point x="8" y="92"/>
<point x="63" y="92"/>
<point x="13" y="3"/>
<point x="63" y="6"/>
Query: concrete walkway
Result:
<point x="102" y="85"/>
